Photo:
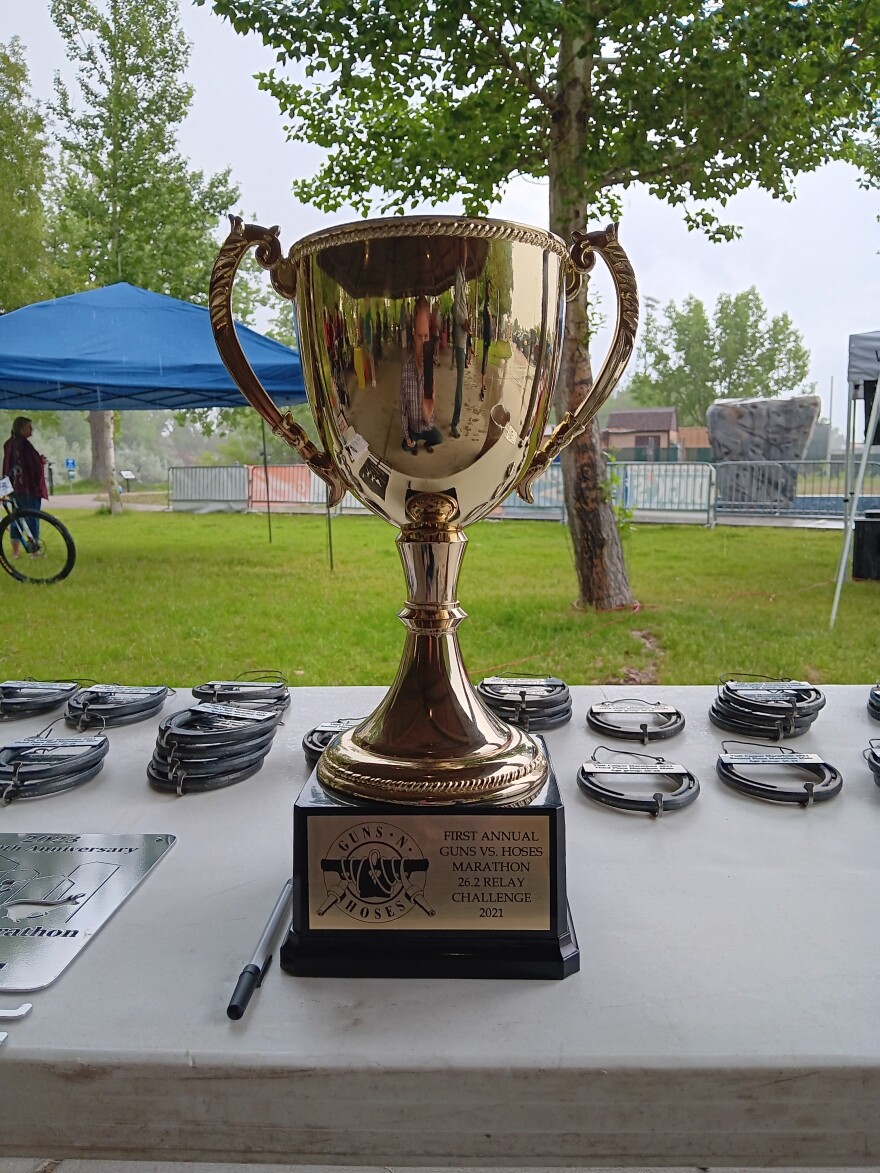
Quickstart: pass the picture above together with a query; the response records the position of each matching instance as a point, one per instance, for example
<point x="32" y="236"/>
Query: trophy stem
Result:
<point x="431" y="740"/>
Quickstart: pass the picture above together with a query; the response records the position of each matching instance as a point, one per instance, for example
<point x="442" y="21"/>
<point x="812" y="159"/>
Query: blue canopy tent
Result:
<point x="123" y="348"/>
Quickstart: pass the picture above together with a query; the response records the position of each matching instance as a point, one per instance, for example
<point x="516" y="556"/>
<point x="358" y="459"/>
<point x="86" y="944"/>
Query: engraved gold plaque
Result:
<point x="404" y="872"/>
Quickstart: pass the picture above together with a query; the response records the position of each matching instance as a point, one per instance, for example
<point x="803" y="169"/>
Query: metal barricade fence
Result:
<point x="685" y="488"/>
<point x="790" y="488"/>
<point x="692" y="490"/>
<point x="290" y="488"/>
<point x="209" y="489"/>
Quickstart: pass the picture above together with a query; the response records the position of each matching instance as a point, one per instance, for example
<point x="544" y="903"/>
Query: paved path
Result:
<point x="64" y="500"/>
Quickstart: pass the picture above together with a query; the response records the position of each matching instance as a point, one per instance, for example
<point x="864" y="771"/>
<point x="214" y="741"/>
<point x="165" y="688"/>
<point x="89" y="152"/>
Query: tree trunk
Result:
<point x="601" y="573"/>
<point x="104" y="456"/>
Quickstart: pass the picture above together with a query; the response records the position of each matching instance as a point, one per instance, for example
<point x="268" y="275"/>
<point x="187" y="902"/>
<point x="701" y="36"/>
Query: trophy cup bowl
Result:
<point x="429" y="350"/>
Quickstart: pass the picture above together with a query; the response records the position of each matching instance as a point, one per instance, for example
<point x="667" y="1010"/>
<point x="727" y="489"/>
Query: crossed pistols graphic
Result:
<point x="374" y="878"/>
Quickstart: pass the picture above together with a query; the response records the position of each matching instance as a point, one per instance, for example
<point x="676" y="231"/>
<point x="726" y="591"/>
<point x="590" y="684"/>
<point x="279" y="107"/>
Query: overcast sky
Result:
<point x="815" y="259"/>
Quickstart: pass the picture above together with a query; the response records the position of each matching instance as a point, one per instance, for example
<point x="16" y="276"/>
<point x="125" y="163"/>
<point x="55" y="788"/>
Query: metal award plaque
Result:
<point x="429" y="349"/>
<point x="56" y="891"/>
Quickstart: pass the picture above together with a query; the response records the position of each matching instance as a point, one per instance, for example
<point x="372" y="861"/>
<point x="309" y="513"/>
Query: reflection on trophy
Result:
<point x="429" y="349"/>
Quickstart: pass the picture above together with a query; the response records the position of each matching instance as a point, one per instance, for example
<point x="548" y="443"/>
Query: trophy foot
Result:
<point x="508" y="772"/>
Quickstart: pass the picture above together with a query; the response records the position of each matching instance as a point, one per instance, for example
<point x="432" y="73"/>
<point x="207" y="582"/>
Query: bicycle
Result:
<point x="46" y="552"/>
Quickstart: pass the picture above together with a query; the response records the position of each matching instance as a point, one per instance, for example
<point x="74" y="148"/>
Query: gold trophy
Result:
<point x="430" y="840"/>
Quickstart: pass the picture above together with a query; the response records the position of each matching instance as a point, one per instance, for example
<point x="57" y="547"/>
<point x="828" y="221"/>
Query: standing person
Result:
<point x="369" y="356"/>
<point x="416" y="408"/>
<point x="26" y="469"/>
<point x="460" y="330"/>
<point x="487" y="335"/>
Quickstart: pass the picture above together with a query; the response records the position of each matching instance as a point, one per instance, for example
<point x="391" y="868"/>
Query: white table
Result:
<point x="727" y="1010"/>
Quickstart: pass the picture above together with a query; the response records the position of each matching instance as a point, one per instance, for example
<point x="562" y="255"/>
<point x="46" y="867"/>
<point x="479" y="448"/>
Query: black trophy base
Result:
<point x="422" y="956"/>
<point x="461" y="891"/>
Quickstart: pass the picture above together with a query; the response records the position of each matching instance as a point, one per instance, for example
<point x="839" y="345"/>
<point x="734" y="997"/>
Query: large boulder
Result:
<point x="774" y="431"/>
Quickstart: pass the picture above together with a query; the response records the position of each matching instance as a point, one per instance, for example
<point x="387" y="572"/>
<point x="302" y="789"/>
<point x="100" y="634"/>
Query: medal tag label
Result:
<point x="619" y="768"/>
<point x="633" y="707"/>
<point x="769" y="759"/>
<point x="50" y="743"/>
<point x="339" y="725"/>
<point x="237" y="711"/>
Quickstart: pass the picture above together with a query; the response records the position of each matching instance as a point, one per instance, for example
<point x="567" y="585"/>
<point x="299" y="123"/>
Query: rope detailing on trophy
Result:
<point x="872" y="757"/>
<point x="533" y="703"/>
<point x="873" y="702"/>
<point x="33" y="767"/>
<point x="32" y="698"/>
<point x="764" y="706"/>
<point x="823" y="779"/>
<point x="656" y="803"/>
<point x="638" y="720"/>
<point x="211" y="746"/>
<point x="268" y="685"/>
<point x="316" y="740"/>
<point x="105" y="705"/>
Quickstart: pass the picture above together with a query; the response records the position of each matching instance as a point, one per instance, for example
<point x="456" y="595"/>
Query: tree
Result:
<point x="129" y="208"/>
<point x="429" y="102"/>
<point x="24" y="164"/>
<point x="687" y="360"/>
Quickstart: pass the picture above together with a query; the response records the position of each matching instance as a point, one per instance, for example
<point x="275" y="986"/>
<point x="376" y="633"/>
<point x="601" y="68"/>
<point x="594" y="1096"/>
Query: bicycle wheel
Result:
<point x="39" y="561"/>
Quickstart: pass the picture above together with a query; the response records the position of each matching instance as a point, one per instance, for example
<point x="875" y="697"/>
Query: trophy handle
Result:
<point x="243" y="237"/>
<point x="583" y="257"/>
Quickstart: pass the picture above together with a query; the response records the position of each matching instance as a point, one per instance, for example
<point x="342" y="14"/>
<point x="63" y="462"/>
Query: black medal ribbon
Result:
<point x="765" y="707"/>
<point x="316" y="740"/>
<point x="687" y="786"/>
<point x="32" y="698"/>
<point x="665" y="720"/>
<point x="824" y="780"/>
<point x="106" y="705"/>
<point x="211" y="746"/>
<point x="35" y="767"/>
<point x="872" y="757"/>
<point x="237" y="692"/>
<point x="533" y="703"/>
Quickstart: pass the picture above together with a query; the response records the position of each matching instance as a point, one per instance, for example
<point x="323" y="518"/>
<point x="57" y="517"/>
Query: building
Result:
<point x="647" y="433"/>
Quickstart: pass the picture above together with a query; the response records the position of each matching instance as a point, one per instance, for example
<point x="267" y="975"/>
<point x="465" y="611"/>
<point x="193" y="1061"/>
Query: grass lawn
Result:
<point x="179" y="598"/>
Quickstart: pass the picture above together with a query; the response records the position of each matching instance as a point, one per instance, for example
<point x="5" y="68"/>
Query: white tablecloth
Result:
<point x="727" y="1009"/>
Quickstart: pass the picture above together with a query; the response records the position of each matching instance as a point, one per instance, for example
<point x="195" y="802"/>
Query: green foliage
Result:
<point x="129" y="207"/>
<point x="423" y="103"/>
<point x="24" y="164"/>
<point x="441" y="101"/>
<point x="687" y="360"/>
<point x="623" y="515"/>
<point x="241" y="434"/>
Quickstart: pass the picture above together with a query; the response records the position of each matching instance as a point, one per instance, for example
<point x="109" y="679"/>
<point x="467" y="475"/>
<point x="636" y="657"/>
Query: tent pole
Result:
<point x="850" y="440"/>
<point x="266" y="475"/>
<point x="854" y="504"/>
<point x="330" y="525"/>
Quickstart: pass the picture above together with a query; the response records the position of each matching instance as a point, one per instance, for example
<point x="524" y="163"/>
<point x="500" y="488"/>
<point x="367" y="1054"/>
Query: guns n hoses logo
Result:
<point x="374" y="872"/>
